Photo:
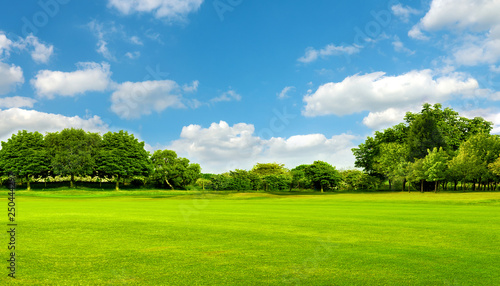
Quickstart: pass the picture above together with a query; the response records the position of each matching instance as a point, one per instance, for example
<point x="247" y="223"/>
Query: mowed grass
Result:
<point x="190" y="238"/>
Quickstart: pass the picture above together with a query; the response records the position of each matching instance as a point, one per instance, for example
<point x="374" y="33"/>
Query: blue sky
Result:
<point x="229" y="83"/>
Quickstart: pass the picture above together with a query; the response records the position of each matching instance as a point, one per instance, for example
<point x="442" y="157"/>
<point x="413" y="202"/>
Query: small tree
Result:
<point x="323" y="175"/>
<point x="203" y="182"/>
<point x="174" y="171"/>
<point x="435" y="166"/>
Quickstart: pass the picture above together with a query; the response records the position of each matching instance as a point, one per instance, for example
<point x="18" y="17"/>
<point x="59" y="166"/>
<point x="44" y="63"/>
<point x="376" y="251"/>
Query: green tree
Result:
<point x="24" y="154"/>
<point x="176" y="172"/>
<point x="390" y="159"/>
<point x="323" y="175"/>
<point x="122" y="156"/>
<point x="73" y="152"/>
<point x="203" y="182"/>
<point x="274" y="176"/>
<point x="423" y="135"/>
<point x="416" y="173"/>
<point x="299" y="178"/>
<point x="435" y="165"/>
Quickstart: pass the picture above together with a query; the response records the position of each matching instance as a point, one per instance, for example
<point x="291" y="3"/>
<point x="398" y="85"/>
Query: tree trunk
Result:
<point x="321" y="188"/>
<point x="28" y="183"/>
<point x="72" y="181"/>
<point x="421" y="186"/>
<point x="404" y="184"/>
<point x="436" y="184"/>
<point x="455" y="186"/>
<point x="474" y="185"/>
<point x="168" y="183"/>
<point x="117" y="183"/>
<point x="390" y="185"/>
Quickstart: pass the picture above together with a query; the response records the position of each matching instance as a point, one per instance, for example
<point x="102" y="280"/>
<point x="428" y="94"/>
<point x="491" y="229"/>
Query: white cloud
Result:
<point x="15" y="119"/>
<point x="133" y="55"/>
<point x="16" y="102"/>
<point x="41" y="53"/>
<point x="101" y="34"/>
<point x="416" y="33"/>
<point x="221" y="148"/>
<point x="10" y="77"/>
<point x="5" y="46"/>
<point x="400" y="47"/>
<point x="229" y="95"/>
<point x="474" y="22"/>
<point x="191" y="88"/>
<point x="134" y="99"/>
<point x="376" y="92"/>
<point x="89" y="77"/>
<point x="404" y="12"/>
<point x="284" y="93"/>
<point x="312" y="54"/>
<point x="170" y="10"/>
<point x="384" y="119"/>
<point x="136" y="40"/>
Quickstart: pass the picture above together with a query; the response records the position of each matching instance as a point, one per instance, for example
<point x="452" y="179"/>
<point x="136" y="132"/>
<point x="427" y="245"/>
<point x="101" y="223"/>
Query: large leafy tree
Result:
<point x="24" y="155"/>
<point x="73" y="152"/>
<point x="424" y="135"/>
<point x="173" y="171"/>
<point x="323" y="175"/>
<point x="122" y="156"/>
<point x="367" y="153"/>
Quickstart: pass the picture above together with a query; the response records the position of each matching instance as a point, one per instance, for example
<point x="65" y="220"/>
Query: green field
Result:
<point x="189" y="238"/>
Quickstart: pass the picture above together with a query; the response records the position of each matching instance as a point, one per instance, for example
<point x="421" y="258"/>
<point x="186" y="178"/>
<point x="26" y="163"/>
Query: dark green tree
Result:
<point x="323" y="175"/>
<point x="423" y="135"/>
<point x="73" y="152"/>
<point x="122" y="156"/>
<point x="24" y="154"/>
<point x="173" y="171"/>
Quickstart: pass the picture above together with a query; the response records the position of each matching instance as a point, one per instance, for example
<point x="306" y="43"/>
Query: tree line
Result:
<point x="116" y="156"/>
<point x="433" y="149"/>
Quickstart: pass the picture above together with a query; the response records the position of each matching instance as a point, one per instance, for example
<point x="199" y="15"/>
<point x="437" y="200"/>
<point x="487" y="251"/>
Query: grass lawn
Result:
<point x="188" y="238"/>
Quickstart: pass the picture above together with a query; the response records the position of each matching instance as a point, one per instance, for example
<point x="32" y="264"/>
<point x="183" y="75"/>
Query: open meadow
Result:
<point x="78" y="237"/>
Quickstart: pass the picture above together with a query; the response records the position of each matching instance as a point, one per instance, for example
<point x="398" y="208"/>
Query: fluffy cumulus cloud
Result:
<point x="10" y="77"/>
<point x="88" y="77"/>
<point x="15" y="119"/>
<point x="170" y="10"/>
<point x="312" y="54"/>
<point x="475" y="21"/>
<point x="220" y="147"/>
<point x="387" y="98"/>
<point x="16" y="101"/>
<point x="376" y="92"/>
<point x="134" y="99"/>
